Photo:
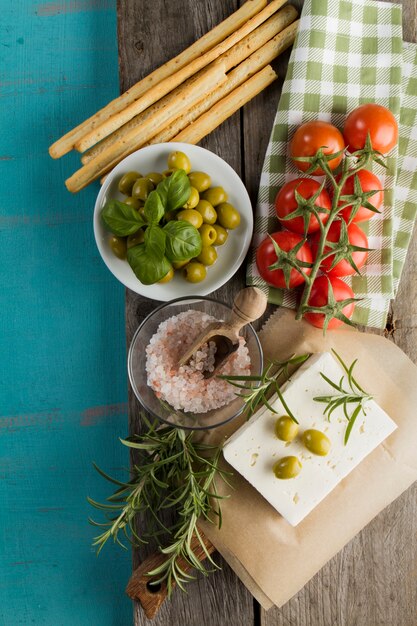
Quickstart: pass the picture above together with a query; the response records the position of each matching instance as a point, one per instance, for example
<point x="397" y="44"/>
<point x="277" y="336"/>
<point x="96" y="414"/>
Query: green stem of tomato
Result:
<point x="337" y="188"/>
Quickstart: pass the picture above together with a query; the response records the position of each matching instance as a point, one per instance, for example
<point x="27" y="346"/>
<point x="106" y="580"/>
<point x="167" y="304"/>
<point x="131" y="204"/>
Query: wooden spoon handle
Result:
<point x="249" y="304"/>
<point x="152" y="597"/>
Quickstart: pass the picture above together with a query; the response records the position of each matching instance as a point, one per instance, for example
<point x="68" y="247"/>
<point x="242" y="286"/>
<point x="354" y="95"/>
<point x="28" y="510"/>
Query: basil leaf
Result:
<point x="183" y="241"/>
<point x="121" y="218"/>
<point x="148" y="266"/>
<point x="174" y="190"/>
<point x="153" y="209"/>
<point x="155" y="240"/>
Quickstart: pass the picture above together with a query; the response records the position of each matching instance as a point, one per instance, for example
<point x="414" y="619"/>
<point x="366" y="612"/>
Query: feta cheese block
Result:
<point x="254" y="448"/>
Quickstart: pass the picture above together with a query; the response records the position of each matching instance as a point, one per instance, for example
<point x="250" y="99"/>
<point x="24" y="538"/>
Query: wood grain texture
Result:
<point x="143" y="45"/>
<point x="372" y="582"/>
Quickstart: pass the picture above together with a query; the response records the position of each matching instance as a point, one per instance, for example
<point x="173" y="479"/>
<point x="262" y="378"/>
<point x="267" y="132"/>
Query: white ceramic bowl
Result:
<point x="230" y="255"/>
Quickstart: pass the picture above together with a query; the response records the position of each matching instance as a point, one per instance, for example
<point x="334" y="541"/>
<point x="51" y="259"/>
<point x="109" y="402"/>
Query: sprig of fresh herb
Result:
<point x="174" y="473"/>
<point x="353" y="395"/>
<point x="256" y="390"/>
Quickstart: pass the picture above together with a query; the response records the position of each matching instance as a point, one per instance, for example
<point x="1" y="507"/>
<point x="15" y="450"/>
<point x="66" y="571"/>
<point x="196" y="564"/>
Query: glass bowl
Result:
<point x="137" y="365"/>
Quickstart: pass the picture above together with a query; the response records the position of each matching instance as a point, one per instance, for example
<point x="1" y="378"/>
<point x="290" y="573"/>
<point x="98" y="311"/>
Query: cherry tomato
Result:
<point x="285" y="203"/>
<point x="375" y="119"/>
<point x="356" y="237"/>
<point x="368" y="182"/>
<point x="311" y="136"/>
<point x="319" y="297"/>
<point x="266" y="256"/>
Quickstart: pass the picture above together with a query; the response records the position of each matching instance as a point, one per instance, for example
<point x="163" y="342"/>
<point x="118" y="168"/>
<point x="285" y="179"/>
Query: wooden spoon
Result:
<point x="249" y="304"/>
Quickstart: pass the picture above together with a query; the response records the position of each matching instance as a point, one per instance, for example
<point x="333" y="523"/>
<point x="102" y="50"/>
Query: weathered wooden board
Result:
<point x="372" y="582"/>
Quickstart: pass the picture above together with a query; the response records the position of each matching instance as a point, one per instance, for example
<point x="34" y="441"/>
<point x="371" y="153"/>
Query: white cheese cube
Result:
<point x="254" y="448"/>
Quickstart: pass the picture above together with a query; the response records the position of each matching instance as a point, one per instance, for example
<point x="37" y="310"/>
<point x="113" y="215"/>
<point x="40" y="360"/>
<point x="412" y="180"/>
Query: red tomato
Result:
<point x="368" y="182"/>
<point x="319" y="298"/>
<point x="311" y="136"/>
<point x="356" y="237"/>
<point x="266" y="256"/>
<point x="375" y="119"/>
<point x="285" y="203"/>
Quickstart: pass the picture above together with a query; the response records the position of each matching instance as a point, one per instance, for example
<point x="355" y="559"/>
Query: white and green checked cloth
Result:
<point x="348" y="52"/>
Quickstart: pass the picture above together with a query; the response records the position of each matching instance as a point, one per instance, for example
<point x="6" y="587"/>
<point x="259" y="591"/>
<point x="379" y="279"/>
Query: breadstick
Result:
<point x="213" y="77"/>
<point x="227" y="106"/>
<point x="239" y="52"/>
<point x="236" y="77"/>
<point x="168" y="84"/>
<point x="205" y="43"/>
<point x="175" y="96"/>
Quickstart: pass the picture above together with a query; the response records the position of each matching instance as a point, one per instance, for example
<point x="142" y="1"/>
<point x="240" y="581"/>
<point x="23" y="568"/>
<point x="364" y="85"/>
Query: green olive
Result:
<point x="193" y="199"/>
<point x="133" y="202"/>
<point x="127" y="181"/>
<point x="192" y="216"/>
<point x="135" y="239"/>
<point x="208" y="234"/>
<point x="208" y="255"/>
<point x="285" y="428"/>
<point x="215" y="195"/>
<point x="194" y="272"/>
<point x="208" y="212"/>
<point x="179" y="264"/>
<point x="222" y="234"/>
<point x="168" y="276"/>
<point x="228" y="216"/>
<point x="287" y="467"/>
<point x="142" y="188"/>
<point x="118" y="246"/>
<point x="180" y="161"/>
<point x="167" y="173"/>
<point x="200" y="180"/>
<point x="316" y="441"/>
<point x="154" y="177"/>
<point x="170" y="215"/>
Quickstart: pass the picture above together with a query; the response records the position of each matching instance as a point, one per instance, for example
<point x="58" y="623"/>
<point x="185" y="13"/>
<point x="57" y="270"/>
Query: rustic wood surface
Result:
<point x="372" y="581"/>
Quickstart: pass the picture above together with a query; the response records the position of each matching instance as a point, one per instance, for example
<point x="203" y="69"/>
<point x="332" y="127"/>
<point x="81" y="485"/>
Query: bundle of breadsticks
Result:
<point x="190" y="95"/>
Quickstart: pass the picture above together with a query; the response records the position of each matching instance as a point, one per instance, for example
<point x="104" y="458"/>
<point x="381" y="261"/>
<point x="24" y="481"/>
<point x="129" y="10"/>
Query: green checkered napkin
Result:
<point x="348" y="52"/>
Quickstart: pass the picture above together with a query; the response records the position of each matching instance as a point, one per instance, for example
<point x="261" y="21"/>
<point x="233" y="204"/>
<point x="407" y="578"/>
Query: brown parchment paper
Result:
<point x="275" y="560"/>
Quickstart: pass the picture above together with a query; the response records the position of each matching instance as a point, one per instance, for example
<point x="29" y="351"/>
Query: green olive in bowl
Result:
<point x="194" y="272"/>
<point x="215" y="195"/>
<point x="208" y="212"/>
<point x="179" y="161"/>
<point x="127" y="181"/>
<point x="192" y="216"/>
<point x="207" y="256"/>
<point x="221" y="233"/>
<point x="199" y="180"/>
<point x="154" y="177"/>
<point x="133" y="202"/>
<point x="193" y="200"/>
<point x="208" y="234"/>
<point x="142" y="188"/>
<point x="135" y="239"/>
<point x="118" y="246"/>
<point x="228" y="216"/>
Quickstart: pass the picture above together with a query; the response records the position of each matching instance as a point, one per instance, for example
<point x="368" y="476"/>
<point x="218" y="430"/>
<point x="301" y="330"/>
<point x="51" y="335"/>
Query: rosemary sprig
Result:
<point x="174" y="473"/>
<point x="256" y="390"/>
<point x="353" y="395"/>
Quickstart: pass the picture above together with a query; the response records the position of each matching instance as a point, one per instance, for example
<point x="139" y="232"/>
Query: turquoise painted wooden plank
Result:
<point x="62" y="379"/>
